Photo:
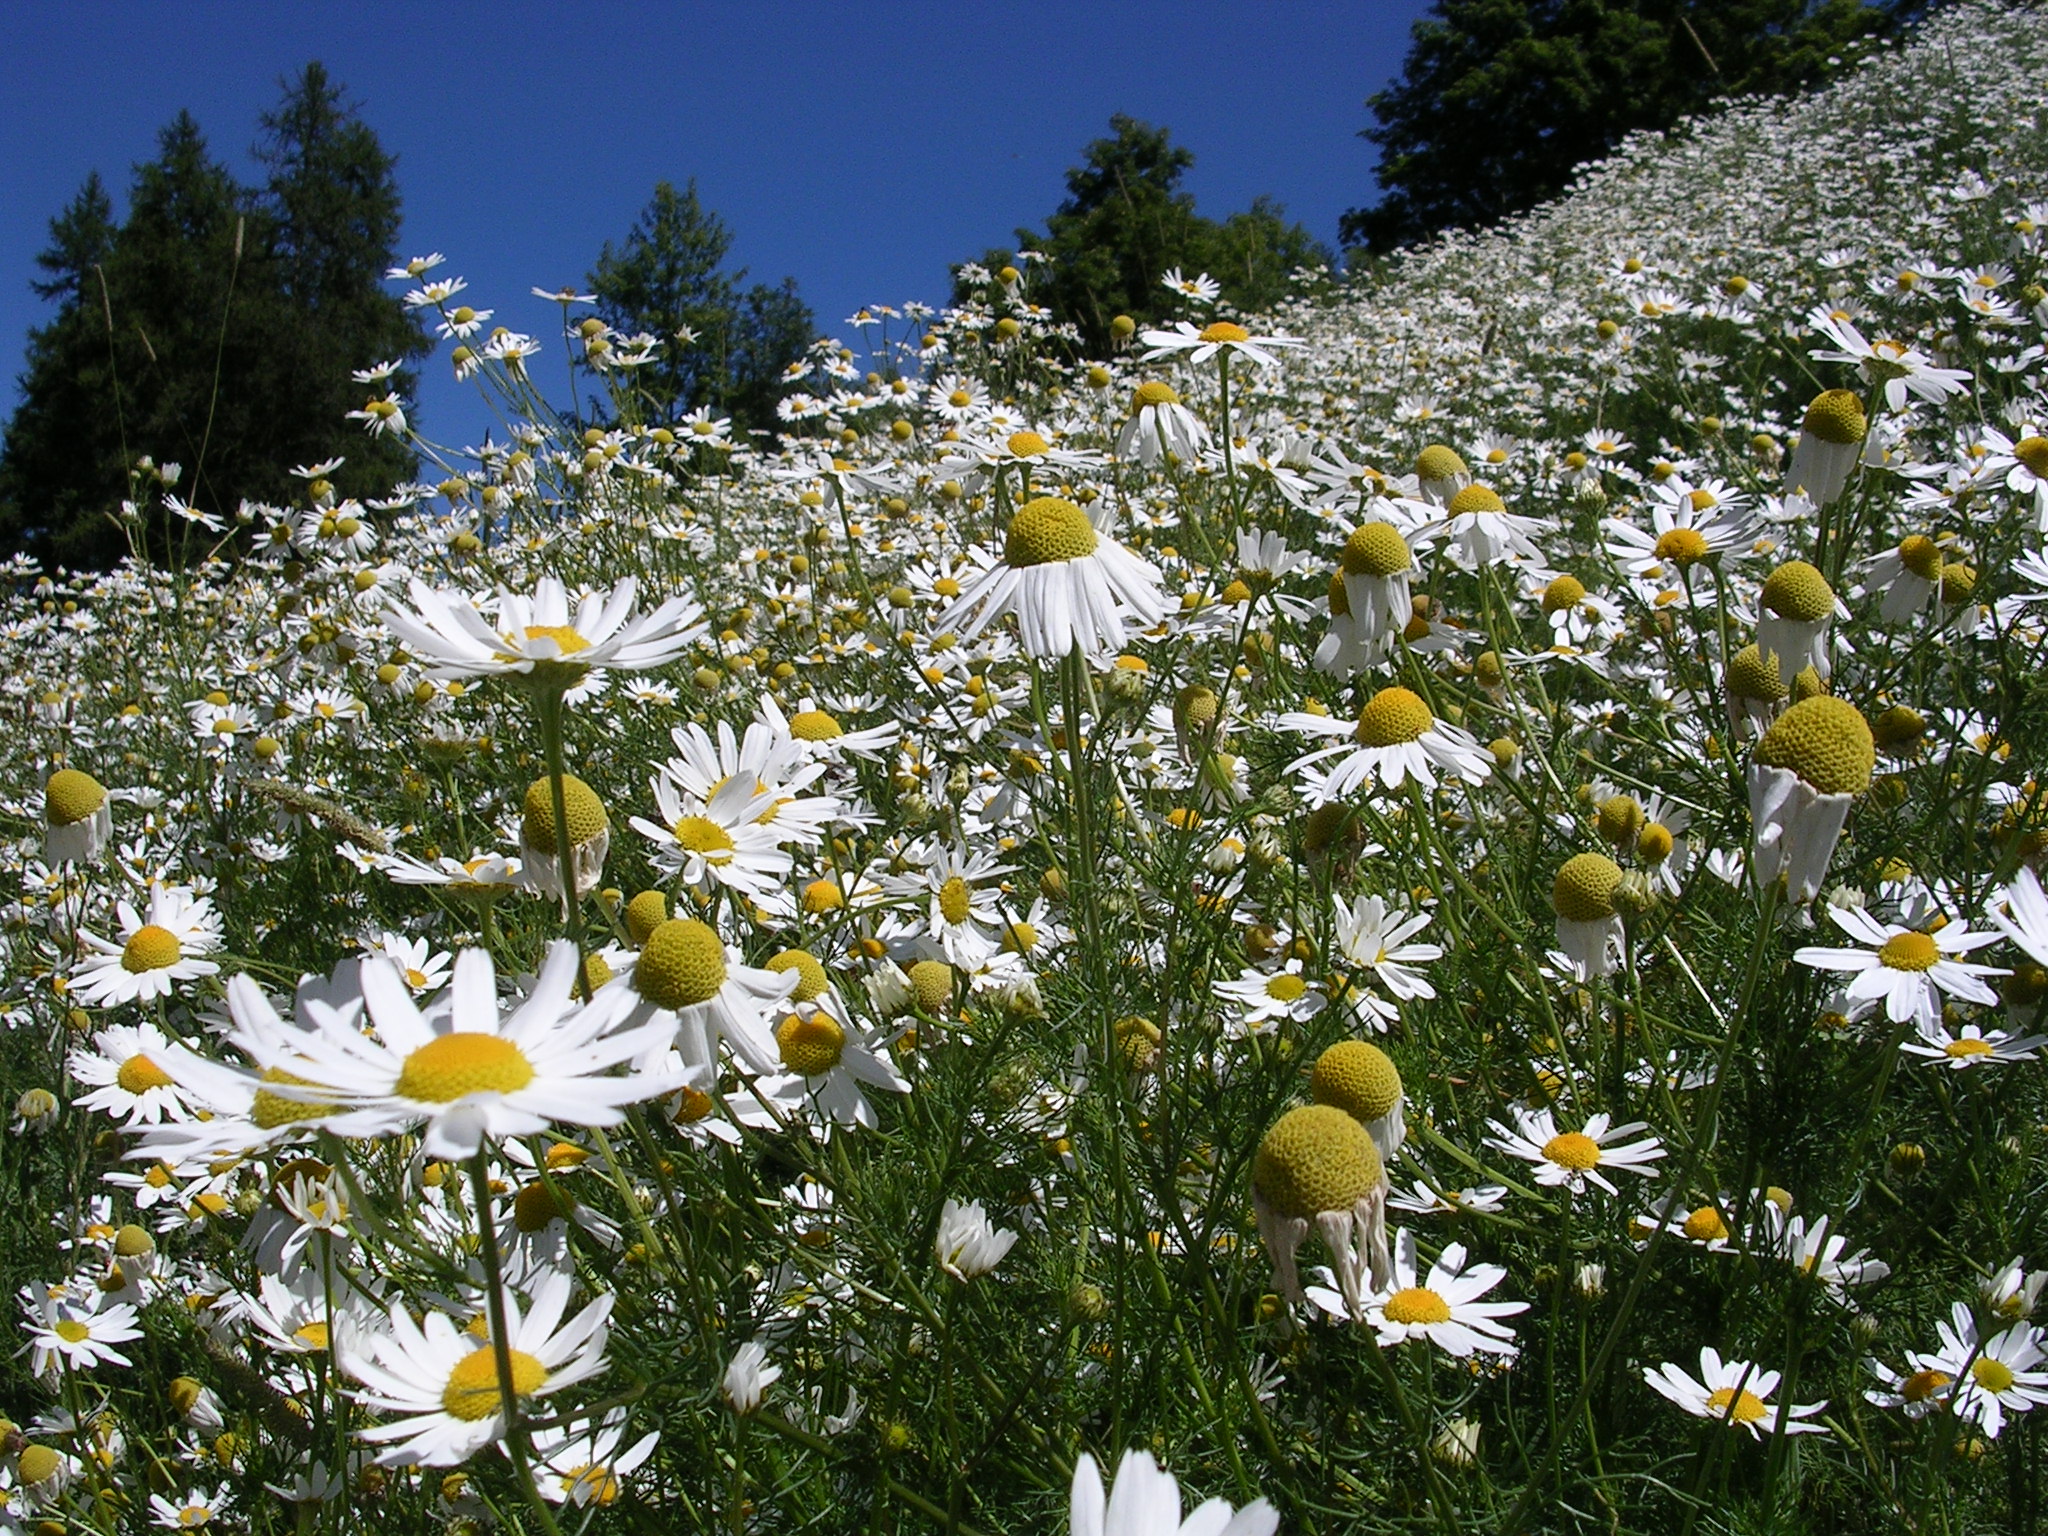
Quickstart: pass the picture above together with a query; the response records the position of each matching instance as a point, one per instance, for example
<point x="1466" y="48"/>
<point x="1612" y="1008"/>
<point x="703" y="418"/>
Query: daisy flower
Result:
<point x="826" y="1059"/>
<point x="1424" y="1198"/>
<point x="1912" y="971"/>
<point x="1444" y="1309"/>
<point x="78" y="817"/>
<point x="721" y="840"/>
<point x="748" y="1376"/>
<point x="466" y="1069"/>
<point x="2020" y="912"/>
<point x="1987" y="1378"/>
<point x="1681" y="536"/>
<point x="1396" y="738"/>
<point x="1160" y="425"/>
<point x="1220" y="336"/>
<point x="1069" y="585"/>
<point x="967" y="1244"/>
<point x="1575" y="1159"/>
<point x="1972" y="1046"/>
<point x="1264" y="998"/>
<point x="1146" y="1502"/>
<point x="445" y="1379"/>
<point x="688" y="988"/>
<point x="583" y="1465"/>
<point x="1736" y="1392"/>
<point x="1373" y="935"/>
<point x="78" y="1332"/>
<point x="132" y="1070"/>
<point x="1903" y="370"/>
<point x="1804" y="773"/>
<point x="1482" y="531"/>
<point x="194" y="1511"/>
<point x="450" y="636"/>
<point x="156" y="952"/>
<point x="1818" y="1253"/>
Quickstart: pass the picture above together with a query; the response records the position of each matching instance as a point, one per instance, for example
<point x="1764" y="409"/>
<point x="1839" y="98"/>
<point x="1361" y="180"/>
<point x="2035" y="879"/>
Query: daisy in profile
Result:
<point x="1971" y="1045"/>
<point x="1482" y="531"/>
<point x="1444" y="1309"/>
<point x="2020" y="912"/>
<point x="1146" y="1502"/>
<point x="159" y="949"/>
<point x="1735" y="1392"/>
<point x="450" y="636"/>
<point x="1374" y="936"/>
<point x="1911" y="970"/>
<point x="1574" y="1159"/>
<point x="1395" y="738"/>
<point x="1816" y="1252"/>
<point x="1069" y="585"/>
<point x="582" y="1465"/>
<point x="1160" y="426"/>
<point x="464" y="1068"/>
<point x="1219" y="336"/>
<point x="445" y="1379"/>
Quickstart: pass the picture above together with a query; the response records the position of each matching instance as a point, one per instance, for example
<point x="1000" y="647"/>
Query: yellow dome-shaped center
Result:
<point x="1702" y="500"/>
<point x="271" y="1110"/>
<point x="1048" y="529"/>
<point x="1358" y="1078"/>
<point x="811" y="978"/>
<point x="1583" y="891"/>
<point x="1563" y="594"/>
<point x="681" y="964"/>
<point x="813" y="725"/>
<point x="1417" y="1304"/>
<point x="1753" y="675"/>
<point x="1377" y="549"/>
<point x="1836" y="416"/>
<point x="645" y="913"/>
<point x="1910" y="951"/>
<point x="473" y="1391"/>
<point x="1153" y="393"/>
<point x="71" y="796"/>
<point x="1574" y="1150"/>
<point x="1437" y="462"/>
<point x="1475" y="499"/>
<point x="1824" y="740"/>
<point x="448" y="1067"/>
<point x="138" y="1074"/>
<point x="955" y="901"/>
<point x="536" y="1206"/>
<point x="1992" y="1375"/>
<point x="1028" y="445"/>
<point x="567" y="641"/>
<point x="702" y="835"/>
<point x="810" y="1045"/>
<point x="1746" y="1408"/>
<point x="1797" y="591"/>
<point x="1922" y="1385"/>
<point x="1392" y="716"/>
<point x="1619" y="819"/>
<point x="586" y="813"/>
<point x="822" y="896"/>
<point x="1682" y="547"/>
<point x="1921" y="555"/>
<point x="2033" y="452"/>
<point x="1706" y="1225"/>
<point x="1964" y="1049"/>
<point x="1316" y="1158"/>
<point x="931" y="981"/>
<point x="150" y="948"/>
<point x="1287" y="987"/>
<point x="1224" y="331"/>
<point x="1655" y="843"/>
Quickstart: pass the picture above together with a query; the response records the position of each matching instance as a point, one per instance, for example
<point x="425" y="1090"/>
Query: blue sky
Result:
<point x="859" y="149"/>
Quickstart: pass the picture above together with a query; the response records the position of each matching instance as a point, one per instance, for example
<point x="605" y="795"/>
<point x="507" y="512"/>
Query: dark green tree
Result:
<point x="1500" y="101"/>
<point x="1126" y="222"/>
<point x="214" y="328"/>
<point x="722" y="345"/>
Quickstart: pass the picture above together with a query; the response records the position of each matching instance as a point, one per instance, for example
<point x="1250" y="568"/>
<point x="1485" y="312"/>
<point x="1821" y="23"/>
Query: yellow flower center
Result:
<point x="1921" y="1385"/>
<point x="811" y="978"/>
<point x="1583" y="891"/>
<point x="692" y="1105"/>
<point x="1744" y="1409"/>
<point x="536" y="1206"/>
<point x="312" y="1335"/>
<point x="1798" y="591"/>
<point x="71" y="796"/>
<point x="932" y="983"/>
<point x="2033" y="452"/>
<point x="1474" y="500"/>
<point x="682" y="964"/>
<point x="1316" y="1158"/>
<point x="1960" y="1050"/>
<point x="1908" y="952"/>
<point x="813" y="725"/>
<point x="810" y="1045"/>
<point x="1153" y="393"/>
<point x="1702" y="501"/>
<point x="1921" y="555"/>
<point x="1563" y="594"/>
<point x="1706" y="1225"/>
<point x="449" y="1067"/>
<point x="586" y="813"/>
<point x="1392" y="716"/>
<point x="822" y="896"/>
<point x="1225" y="330"/>
<point x="1358" y="1078"/>
<point x="139" y="1074"/>
<point x="1028" y="445"/>
<point x="71" y="1331"/>
<point x="1992" y="1375"/>
<point x="150" y="948"/>
<point x="1436" y="462"/>
<point x="1047" y="529"/>
<point x="474" y="1391"/>
<point x="1655" y="843"/>
<point x="1574" y="1150"/>
<point x="954" y="900"/>
<point x="1417" y="1304"/>
<point x="1826" y="741"/>
<point x="1376" y="549"/>
<point x="1682" y="547"/>
<point x="592" y="1485"/>
<point x="567" y="641"/>
<point x="270" y="1110"/>
<point x="702" y="835"/>
<point x="1286" y="987"/>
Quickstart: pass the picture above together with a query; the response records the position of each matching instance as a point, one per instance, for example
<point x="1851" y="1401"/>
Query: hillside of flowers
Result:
<point x="1416" y="914"/>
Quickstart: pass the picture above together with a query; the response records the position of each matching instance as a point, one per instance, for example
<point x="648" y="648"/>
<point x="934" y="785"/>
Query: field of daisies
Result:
<point x="1416" y="914"/>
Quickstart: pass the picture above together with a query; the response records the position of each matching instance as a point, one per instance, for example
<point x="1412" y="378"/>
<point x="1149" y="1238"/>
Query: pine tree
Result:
<point x="1126" y="222"/>
<point x="721" y="346"/>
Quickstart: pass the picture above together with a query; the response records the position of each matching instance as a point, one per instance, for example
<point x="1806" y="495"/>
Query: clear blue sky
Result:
<point x="856" y="148"/>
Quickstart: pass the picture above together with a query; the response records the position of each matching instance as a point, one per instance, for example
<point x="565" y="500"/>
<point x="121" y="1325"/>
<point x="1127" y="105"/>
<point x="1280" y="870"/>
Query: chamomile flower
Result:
<point x="1988" y="1378"/>
<point x="445" y="1380"/>
<point x="1816" y="1252"/>
<point x="1395" y="738"/>
<point x="1903" y="371"/>
<point x="449" y="634"/>
<point x="1263" y="999"/>
<point x="1444" y="1308"/>
<point x="1069" y="585"/>
<point x="1971" y="1045"/>
<point x="78" y="1331"/>
<point x="582" y="1465"/>
<point x="1202" y="344"/>
<point x="159" y="949"/>
<point x="2020" y="912"/>
<point x="1374" y="936"/>
<point x="720" y="841"/>
<point x="1574" y="1159"/>
<point x="689" y="988"/>
<point x="1735" y="1392"/>
<point x="1806" y="769"/>
<point x="967" y="1244"/>
<point x="1161" y="426"/>
<point x="133" y="1072"/>
<point x="1911" y="970"/>
<point x="1145" y="1501"/>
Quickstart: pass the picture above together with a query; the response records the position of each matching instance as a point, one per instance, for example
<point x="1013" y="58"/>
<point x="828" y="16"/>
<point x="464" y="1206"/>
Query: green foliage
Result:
<point x="722" y="346"/>
<point x="1126" y="222"/>
<point x="1500" y="101"/>
<point x="214" y="329"/>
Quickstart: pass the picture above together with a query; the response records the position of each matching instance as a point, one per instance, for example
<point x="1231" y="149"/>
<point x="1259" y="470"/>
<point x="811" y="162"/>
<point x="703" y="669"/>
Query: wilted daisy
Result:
<point x="1736" y="1392"/>
<point x="156" y="952"/>
<point x="1794" y="610"/>
<point x="1806" y="769"/>
<point x="748" y="1376"/>
<point x="445" y="1380"/>
<point x="1069" y="585"/>
<point x="1396" y="738"/>
<point x="1317" y="1168"/>
<point x="1359" y="1078"/>
<point x="1444" y="1308"/>
<point x="1146" y="1502"/>
<point x="78" y="817"/>
<point x="1161" y="425"/>
<point x="464" y="1068"/>
<point x="1574" y="1159"/>
<point x="449" y="634"/>
<point x="1589" y="928"/>
<point x="1482" y="531"/>
<point x="1911" y="970"/>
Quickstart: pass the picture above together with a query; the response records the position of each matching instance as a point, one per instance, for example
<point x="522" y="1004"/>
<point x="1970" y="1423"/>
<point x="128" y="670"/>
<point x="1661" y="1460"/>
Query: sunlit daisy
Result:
<point x="450" y="636"/>
<point x="1395" y="738"/>
<point x="1069" y="584"/>
<point x="1735" y="1392"/>
<point x="1911" y="970"/>
<point x="1574" y="1159"/>
<point x="159" y="949"/>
